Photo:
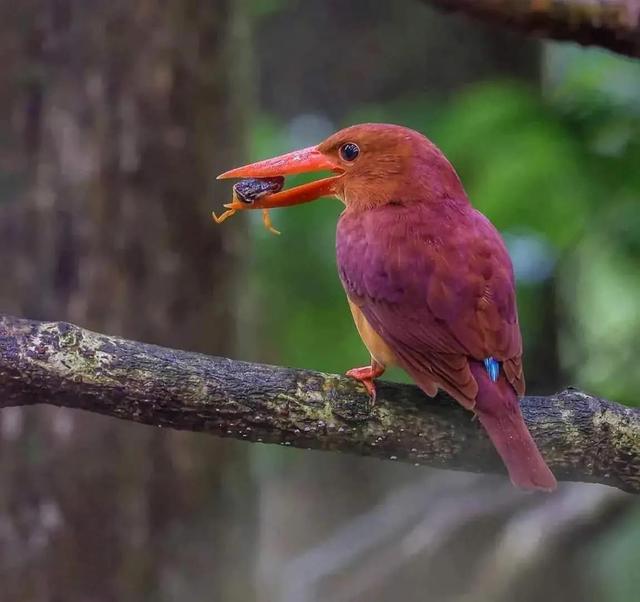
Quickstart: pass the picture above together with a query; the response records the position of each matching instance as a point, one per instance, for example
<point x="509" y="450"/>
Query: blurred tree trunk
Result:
<point x="121" y="114"/>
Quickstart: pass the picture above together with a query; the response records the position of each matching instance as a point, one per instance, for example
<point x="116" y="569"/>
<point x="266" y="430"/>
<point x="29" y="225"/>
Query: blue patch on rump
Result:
<point x="493" y="368"/>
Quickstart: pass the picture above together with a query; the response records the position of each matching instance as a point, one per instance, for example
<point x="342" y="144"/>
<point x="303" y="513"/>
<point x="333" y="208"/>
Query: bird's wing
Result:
<point x="438" y="288"/>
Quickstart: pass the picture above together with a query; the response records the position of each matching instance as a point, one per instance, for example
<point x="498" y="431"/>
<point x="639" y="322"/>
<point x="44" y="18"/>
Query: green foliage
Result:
<point x="520" y="163"/>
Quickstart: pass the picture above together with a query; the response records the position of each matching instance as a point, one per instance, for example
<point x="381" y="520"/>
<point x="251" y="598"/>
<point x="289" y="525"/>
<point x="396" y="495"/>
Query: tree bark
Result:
<point x="611" y="24"/>
<point x="583" y="438"/>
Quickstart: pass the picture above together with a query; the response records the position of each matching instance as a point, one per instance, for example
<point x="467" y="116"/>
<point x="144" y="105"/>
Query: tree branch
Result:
<point x="582" y="437"/>
<point x="612" y="24"/>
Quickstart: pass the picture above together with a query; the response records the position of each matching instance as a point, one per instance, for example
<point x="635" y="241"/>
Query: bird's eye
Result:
<point x="349" y="151"/>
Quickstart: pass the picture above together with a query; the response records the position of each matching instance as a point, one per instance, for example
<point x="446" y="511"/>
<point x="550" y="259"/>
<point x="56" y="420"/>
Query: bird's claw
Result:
<point x="365" y="376"/>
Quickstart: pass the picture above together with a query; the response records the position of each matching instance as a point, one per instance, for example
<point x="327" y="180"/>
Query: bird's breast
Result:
<point x="378" y="349"/>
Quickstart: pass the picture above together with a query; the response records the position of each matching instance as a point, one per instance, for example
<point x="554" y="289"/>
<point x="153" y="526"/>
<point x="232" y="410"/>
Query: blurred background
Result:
<point x="118" y="116"/>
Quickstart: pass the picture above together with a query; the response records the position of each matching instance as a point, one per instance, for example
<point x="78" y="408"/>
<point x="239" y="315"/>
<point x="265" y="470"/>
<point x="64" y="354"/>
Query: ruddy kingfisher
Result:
<point x="428" y="278"/>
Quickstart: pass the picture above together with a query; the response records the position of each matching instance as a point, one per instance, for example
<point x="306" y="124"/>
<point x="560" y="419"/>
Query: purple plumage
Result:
<point x="436" y="283"/>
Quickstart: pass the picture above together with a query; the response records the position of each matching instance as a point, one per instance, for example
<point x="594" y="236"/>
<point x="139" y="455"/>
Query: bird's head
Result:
<point x="372" y="164"/>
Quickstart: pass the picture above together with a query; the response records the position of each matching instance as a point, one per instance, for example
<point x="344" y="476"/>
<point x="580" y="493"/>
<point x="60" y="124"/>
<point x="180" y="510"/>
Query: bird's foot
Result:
<point x="365" y="375"/>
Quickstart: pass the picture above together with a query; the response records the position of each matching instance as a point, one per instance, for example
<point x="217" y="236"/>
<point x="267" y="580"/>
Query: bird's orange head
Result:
<point x="372" y="164"/>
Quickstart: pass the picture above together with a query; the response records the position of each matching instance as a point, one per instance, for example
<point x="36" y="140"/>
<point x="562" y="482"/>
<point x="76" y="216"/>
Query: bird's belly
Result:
<point x="378" y="349"/>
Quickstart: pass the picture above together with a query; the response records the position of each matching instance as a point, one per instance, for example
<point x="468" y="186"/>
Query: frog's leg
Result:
<point x="266" y="218"/>
<point x="227" y="214"/>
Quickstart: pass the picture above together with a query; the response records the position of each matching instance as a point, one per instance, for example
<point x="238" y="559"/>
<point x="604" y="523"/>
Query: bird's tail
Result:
<point x="499" y="413"/>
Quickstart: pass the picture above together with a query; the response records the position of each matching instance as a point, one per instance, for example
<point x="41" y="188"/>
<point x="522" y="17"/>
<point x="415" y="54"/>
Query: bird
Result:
<point x="428" y="278"/>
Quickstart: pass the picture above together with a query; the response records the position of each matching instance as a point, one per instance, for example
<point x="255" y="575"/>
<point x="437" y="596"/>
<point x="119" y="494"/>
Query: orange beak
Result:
<point x="301" y="161"/>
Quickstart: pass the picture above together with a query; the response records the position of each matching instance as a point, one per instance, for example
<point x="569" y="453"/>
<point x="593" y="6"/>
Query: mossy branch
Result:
<point x="582" y="437"/>
<point x="611" y="24"/>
